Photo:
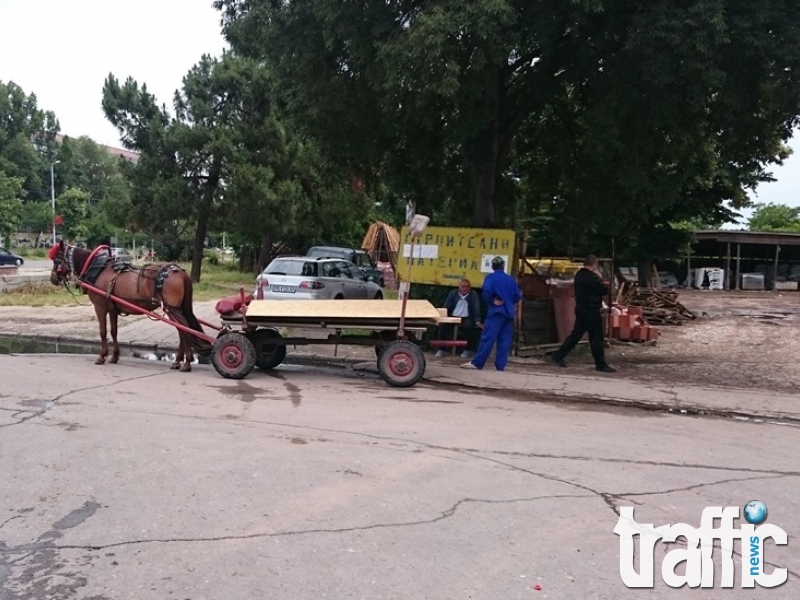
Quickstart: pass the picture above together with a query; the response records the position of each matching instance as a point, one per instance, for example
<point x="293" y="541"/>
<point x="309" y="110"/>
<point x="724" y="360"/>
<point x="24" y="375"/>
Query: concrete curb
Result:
<point x="671" y="400"/>
<point x="674" y="407"/>
<point x="291" y="357"/>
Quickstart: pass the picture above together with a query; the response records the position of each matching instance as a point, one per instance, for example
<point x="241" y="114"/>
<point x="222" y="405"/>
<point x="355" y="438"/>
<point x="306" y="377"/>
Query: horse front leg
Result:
<point x="101" y="311"/>
<point x="113" y="316"/>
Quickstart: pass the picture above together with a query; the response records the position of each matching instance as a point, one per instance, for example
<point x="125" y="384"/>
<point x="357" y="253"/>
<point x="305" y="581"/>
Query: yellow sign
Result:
<point x="445" y="255"/>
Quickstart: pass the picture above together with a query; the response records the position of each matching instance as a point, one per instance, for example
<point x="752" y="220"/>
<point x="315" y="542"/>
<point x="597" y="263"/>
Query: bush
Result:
<point x="211" y="257"/>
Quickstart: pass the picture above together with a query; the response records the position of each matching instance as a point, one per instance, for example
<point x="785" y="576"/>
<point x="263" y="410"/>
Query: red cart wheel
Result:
<point x="401" y="364"/>
<point x="233" y="356"/>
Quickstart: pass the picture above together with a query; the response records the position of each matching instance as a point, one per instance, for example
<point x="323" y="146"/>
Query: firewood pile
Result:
<point x="659" y="307"/>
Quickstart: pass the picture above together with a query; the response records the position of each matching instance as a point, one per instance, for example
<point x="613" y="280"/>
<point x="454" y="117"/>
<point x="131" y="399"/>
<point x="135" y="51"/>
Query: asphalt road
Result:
<point x="134" y="481"/>
<point x="36" y="264"/>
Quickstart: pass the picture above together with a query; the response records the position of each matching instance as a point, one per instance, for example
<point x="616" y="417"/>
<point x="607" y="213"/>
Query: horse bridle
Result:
<point x="65" y="264"/>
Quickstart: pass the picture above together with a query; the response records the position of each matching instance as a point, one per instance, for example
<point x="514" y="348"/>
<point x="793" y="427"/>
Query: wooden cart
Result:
<point x="250" y="337"/>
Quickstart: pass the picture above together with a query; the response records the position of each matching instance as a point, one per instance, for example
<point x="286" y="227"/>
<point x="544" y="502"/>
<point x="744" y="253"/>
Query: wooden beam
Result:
<point x="775" y="272"/>
<point x="738" y="266"/>
<point x="728" y="269"/>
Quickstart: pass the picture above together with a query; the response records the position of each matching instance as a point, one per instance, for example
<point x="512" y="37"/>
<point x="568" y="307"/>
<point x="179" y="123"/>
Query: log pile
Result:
<point x="659" y="307"/>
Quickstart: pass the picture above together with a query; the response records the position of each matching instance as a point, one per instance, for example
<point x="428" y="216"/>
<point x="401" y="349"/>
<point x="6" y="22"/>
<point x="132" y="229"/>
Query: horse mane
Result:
<point x="79" y="259"/>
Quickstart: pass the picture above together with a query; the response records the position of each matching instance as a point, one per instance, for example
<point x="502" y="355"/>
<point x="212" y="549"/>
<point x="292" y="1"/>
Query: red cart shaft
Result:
<point x="138" y="309"/>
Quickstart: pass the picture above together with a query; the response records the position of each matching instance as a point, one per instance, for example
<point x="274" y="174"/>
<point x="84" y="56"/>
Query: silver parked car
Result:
<point x="308" y="278"/>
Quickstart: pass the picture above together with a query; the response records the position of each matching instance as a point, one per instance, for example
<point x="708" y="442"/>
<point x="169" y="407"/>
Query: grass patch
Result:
<point x="30" y="252"/>
<point x="39" y="294"/>
<point x="219" y="281"/>
<point x="216" y="281"/>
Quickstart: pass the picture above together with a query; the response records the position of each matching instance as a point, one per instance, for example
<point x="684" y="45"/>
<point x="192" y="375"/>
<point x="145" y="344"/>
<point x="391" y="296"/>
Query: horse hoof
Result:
<point x="175" y="366"/>
<point x="114" y="360"/>
<point x="100" y="361"/>
<point x="186" y="368"/>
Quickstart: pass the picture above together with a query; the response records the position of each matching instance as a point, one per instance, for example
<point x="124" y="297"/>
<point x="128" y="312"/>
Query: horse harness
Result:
<point x="101" y="261"/>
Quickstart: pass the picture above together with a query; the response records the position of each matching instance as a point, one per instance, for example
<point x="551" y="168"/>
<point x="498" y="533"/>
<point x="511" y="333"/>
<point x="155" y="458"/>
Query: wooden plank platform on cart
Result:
<point x="350" y="310"/>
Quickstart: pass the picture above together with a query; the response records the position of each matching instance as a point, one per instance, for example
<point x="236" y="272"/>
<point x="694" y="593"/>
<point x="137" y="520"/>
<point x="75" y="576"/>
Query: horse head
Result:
<point x="62" y="263"/>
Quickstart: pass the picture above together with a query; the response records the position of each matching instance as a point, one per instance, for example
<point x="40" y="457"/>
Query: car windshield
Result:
<point x="292" y="267"/>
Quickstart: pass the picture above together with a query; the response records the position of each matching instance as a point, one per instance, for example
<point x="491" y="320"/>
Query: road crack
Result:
<point x="51" y="403"/>
<point x="446" y="514"/>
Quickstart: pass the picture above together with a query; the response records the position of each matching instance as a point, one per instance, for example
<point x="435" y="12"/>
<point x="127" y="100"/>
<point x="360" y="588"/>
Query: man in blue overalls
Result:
<point x="501" y="293"/>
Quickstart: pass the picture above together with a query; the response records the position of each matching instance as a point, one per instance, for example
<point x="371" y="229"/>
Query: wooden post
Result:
<point x="738" y="266"/>
<point x="775" y="273"/>
<point x="689" y="265"/>
<point x="520" y="250"/>
<point x="611" y="295"/>
<point x="728" y="269"/>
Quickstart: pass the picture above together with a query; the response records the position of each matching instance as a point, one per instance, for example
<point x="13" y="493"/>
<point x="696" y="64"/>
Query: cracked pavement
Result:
<point x="135" y="481"/>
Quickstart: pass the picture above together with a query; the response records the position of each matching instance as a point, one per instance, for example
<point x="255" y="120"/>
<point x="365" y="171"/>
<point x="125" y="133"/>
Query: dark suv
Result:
<point x="358" y="257"/>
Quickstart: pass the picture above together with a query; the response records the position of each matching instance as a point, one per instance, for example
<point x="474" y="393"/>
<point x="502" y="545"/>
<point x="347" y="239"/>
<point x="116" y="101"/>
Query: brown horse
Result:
<point x="148" y="287"/>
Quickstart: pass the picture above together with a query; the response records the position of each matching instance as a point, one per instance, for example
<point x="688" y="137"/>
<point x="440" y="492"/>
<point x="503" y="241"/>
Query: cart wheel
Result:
<point x="233" y="356"/>
<point x="401" y="364"/>
<point x="268" y="354"/>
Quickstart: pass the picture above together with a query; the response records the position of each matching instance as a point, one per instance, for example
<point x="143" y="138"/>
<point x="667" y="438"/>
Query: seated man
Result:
<point x="462" y="302"/>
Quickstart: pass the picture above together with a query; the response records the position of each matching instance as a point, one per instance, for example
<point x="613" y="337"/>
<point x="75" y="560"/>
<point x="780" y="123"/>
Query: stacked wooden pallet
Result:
<point x="659" y="307"/>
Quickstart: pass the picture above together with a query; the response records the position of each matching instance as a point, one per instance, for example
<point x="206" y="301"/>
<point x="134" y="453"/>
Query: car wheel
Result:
<point x="19" y="262"/>
<point x="379" y="296"/>
<point x="338" y="297"/>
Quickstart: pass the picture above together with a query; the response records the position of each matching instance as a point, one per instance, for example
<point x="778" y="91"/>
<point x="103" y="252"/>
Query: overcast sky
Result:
<point x="62" y="50"/>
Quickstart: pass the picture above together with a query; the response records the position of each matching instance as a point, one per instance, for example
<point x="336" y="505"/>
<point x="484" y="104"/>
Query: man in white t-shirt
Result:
<point x="462" y="302"/>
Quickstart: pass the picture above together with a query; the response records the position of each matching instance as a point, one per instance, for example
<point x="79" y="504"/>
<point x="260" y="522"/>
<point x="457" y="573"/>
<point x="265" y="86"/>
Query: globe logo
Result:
<point x="755" y="512"/>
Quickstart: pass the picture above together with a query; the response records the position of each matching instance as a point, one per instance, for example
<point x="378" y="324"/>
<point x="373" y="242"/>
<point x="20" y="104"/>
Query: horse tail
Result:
<point x="199" y="346"/>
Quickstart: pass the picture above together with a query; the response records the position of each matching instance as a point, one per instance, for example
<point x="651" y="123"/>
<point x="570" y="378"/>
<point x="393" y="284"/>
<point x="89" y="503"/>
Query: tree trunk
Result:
<point x="200" y="234"/>
<point x="492" y="149"/>
<point x="645" y="267"/>
<point x="485" y="162"/>
<point x="265" y="254"/>
<point x="204" y="218"/>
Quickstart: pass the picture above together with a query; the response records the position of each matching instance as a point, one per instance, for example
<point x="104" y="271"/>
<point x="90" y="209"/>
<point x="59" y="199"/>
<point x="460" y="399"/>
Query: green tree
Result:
<point x="73" y="207"/>
<point x="775" y="217"/>
<point x="27" y="140"/>
<point x="88" y="166"/>
<point x="36" y="217"/>
<point x="224" y="160"/>
<point x="616" y="117"/>
<point x="10" y="206"/>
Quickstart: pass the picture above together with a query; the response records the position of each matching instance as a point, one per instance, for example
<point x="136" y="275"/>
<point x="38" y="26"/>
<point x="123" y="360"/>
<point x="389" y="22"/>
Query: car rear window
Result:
<point x="292" y="267"/>
<point x="322" y="253"/>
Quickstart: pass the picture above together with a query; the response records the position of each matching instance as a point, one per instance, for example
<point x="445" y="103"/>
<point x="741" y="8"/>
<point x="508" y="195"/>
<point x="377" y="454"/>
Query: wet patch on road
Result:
<point x="77" y="516"/>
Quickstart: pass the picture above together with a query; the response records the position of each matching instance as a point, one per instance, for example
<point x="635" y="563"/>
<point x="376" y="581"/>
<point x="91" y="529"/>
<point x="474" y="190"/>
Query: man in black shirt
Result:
<point x="589" y="292"/>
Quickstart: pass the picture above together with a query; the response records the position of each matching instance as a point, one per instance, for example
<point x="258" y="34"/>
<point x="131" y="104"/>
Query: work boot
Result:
<point x="606" y="369"/>
<point x="559" y="361"/>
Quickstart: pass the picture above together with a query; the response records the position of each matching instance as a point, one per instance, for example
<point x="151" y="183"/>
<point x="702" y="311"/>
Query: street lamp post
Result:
<point x="53" y="198"/>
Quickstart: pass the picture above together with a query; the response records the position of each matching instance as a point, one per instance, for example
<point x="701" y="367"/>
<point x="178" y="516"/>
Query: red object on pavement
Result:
<point x="537" y="587"/>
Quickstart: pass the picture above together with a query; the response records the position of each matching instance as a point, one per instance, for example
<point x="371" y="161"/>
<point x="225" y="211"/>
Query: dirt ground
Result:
<point x="740" y="339"/>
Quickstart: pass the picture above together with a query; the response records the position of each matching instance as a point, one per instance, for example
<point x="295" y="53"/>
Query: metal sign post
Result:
<point x="416" y="227"/>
